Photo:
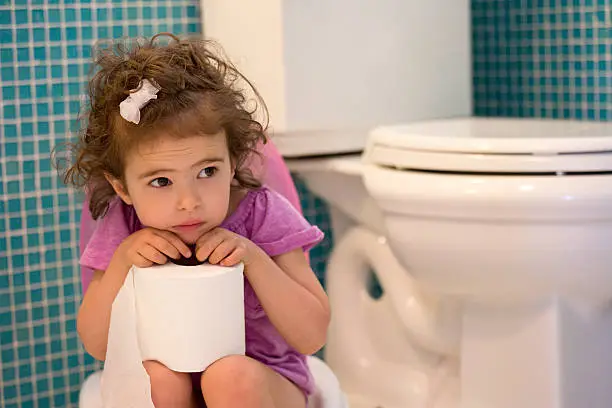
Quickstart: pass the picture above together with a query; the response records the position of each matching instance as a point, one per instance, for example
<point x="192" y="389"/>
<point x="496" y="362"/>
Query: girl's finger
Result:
<point x="207" y="244"/>
<point x="141" y="262"/>
<point x="151" y="253"/>
<point x="176" y="242"/>
<point x="225" y="248"/>
<point x="234" y="258"/>
<point x="162" y="244"/>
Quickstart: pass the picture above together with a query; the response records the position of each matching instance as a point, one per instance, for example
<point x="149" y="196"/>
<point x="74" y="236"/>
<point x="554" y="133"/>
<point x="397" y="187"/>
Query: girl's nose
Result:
<point x="189" y="200"/>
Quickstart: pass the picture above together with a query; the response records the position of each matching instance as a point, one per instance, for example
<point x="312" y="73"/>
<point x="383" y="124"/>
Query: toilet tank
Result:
<point x="348" y="65"/>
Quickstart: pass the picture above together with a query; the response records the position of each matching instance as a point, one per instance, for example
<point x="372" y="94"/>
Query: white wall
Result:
<point x="349" y="64"/>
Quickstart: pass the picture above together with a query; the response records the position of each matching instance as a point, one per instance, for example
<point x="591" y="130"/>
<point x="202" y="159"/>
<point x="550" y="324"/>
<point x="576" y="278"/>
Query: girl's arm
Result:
<point x="93" y="319"/>
<point x="292" y="297"/>
<point x="143" y="248"/>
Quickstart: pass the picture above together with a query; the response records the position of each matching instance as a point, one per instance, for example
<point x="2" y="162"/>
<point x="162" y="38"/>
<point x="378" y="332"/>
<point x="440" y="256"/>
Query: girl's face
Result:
<point x="179" y="185"/>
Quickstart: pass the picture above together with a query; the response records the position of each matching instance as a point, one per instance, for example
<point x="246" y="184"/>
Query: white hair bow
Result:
<point x="130" y="107"/>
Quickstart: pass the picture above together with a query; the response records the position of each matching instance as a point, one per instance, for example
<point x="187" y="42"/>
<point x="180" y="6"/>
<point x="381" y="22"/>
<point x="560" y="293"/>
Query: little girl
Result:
<point x="163" y="156"/>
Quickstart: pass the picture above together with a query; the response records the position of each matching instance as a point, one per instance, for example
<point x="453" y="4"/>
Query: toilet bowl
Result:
<point x="382" y="350"/>
<point x="493" y="254"/>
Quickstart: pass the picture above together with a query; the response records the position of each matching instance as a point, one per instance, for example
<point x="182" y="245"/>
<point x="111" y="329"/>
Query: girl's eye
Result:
<point x="160" y="182"/>
<point x="208" y="172"/>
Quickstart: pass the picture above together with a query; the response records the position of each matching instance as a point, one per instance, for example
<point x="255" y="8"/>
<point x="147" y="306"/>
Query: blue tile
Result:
<point x="85" y="15"/>
<point x="6" y="36"/>
<point x="70" y="15"/>
<point x="103" y="32"/>
<point x="21" y="16"/>
<point x="147" y="30"/>
<point x="57" y="90"/>
<point x="86" y="33"/>
<point x="10" y="131"/>
<point x="23" y="73"/>
<point x="75" y="107"/>
<point x="178" y="28"/>
<point x="132" y="13"/>
<point x="38" y="16"/>
<point x="71" y="34"/>
<point x="86" y="51"/>
<point x="56" y="71"/>
<point x="27" y="147"/>
<point x="38" y="34"/>
<point x="12" y="169"/>
<point x="101" y="15"/>
<point x="10" y="112"/>
<point x="74" y="89"/>
<point x="25" y="92"/>
<point x="54" y="16"/>
<point x="6" y="56"/>
<point x="42" y="91"/>
<point x="72" y="51"/>
<point x="22" y="35"/>
<point x="40" y="72"/>
<point x="6" y="17"/>
<point x="42" y="110"/>
<point x="27" y="129"/>
<point x="21" y="316"/>
<point x="56" y="52"/>
<point x="40" y="53"/>
<point x="7" y="74"/>
<point x="55" y="34"/>
<point x="8" y="93"/>
<point x="10" y="392"/>
<point x="25" y="110"/>
<point x="73" y="71"/>
<point x="117" y="31"/>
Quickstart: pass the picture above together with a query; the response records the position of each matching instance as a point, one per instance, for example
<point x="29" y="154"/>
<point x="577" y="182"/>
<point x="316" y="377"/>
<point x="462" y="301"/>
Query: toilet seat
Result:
<point x="494" y="146"/>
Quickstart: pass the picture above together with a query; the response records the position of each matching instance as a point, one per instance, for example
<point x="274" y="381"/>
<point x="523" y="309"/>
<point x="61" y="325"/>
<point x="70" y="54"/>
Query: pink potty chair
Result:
<point x="274" y="173"/>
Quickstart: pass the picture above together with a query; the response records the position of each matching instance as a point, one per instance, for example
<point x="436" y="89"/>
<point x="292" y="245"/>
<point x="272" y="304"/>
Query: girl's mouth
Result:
<point x="188" y="227"/>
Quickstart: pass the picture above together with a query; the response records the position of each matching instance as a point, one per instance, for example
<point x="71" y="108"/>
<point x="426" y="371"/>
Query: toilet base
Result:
<point x="546" y="355"/>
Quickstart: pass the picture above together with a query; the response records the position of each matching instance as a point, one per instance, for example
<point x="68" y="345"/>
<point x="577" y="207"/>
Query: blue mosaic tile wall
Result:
<point x="45" y="49"/>
<point x="543" y="58"/>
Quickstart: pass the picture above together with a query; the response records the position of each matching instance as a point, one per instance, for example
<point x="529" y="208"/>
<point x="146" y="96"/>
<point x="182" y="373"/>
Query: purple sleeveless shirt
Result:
<point x="268" y="220"/>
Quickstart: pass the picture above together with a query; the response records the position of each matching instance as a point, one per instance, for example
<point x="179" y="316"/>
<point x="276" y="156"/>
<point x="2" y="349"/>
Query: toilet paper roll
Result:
<point x="185" y="317"/>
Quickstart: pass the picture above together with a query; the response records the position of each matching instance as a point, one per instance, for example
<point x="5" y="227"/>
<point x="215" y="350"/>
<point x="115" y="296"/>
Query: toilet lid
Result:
<point x="486" y="145"/>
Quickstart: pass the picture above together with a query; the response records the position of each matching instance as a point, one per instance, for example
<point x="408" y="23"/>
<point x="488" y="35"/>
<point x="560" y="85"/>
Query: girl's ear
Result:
<point x="119" y="188"/>
<point x="233" y="167"/>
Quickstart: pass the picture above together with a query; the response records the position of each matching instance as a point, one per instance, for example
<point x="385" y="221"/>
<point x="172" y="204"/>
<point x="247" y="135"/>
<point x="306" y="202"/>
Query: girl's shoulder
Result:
<point x="269" y="220"/>
<point x="119" y="222"/>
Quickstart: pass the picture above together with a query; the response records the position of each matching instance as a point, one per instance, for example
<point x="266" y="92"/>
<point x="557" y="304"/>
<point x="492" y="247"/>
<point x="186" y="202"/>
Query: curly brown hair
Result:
<point x="199" y="95"/>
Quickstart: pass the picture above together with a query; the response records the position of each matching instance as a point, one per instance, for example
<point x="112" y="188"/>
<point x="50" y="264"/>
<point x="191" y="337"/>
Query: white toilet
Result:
<point x="491" y="240"/>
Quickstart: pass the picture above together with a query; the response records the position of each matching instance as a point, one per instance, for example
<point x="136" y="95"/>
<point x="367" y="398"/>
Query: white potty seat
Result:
<point x="327" y="393"/>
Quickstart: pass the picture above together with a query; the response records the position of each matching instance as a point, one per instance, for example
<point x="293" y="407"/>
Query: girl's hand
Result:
<point x="223" y="247"/>
<point x="151" y="246"/>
